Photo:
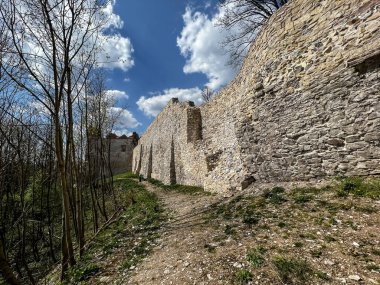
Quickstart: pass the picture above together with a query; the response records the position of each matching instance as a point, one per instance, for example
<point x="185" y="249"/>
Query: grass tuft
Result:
<point x="293" y="271"/>
<point x="358" y="186"/>
<point x="275" y="195"/>
<point x="255" y="257"/>
<point x="243" y="276"/>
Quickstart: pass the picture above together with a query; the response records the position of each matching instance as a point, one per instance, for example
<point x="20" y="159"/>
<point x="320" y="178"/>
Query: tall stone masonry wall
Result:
<point x="306" y="104"/>
<point x="167" y="151"/>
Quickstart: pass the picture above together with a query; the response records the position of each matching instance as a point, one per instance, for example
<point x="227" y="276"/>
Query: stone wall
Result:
<point x="117" y="152"/>
<point x="166" y="150"/>
<point x="306" y="104"/>
<point x="121" y="153"/>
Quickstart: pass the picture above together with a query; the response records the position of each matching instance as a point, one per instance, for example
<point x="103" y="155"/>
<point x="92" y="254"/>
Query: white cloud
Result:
<point x="152" y="106"/>
<point x="116" y="50"/>
<point x="200" y="43"/>
<point x="124" y="120"/>
<point x="116" y="95"/>
<point x="113" y="20"/>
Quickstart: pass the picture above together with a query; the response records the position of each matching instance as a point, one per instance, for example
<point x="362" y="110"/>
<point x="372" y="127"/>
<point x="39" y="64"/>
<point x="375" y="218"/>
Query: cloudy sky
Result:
<point x="163" y="49"/>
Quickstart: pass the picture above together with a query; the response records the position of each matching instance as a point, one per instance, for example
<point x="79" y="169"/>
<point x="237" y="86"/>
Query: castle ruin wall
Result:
<point x="306" y="104"/>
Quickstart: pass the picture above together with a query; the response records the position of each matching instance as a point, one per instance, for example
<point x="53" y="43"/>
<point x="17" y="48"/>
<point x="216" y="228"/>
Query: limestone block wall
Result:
<point x="116" y="151"/>
<point x="121" y="153"/>
<point x="311" y="100"/>
<point x="306" y="104"/>
<point x="166" y="151"/>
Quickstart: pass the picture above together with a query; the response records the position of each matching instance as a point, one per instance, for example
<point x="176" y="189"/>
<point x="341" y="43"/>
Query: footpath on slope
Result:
<point x="305" y="235"/>
<point x="183" y="252"/>
<point x="328" y="234"/>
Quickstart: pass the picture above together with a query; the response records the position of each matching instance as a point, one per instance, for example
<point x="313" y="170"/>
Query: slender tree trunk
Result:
<point x="67" y="244"/>
<point x="78" y="193"/>
<point x="5" y="268"/>
<point x="65" y="254"/>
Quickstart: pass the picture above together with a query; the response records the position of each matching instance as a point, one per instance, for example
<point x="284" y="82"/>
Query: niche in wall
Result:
<point x="367" y="63"/>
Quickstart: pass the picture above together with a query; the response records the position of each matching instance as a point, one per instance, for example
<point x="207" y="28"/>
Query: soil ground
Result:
<point x="301" y="236"/>
<point x="314" y="238"/>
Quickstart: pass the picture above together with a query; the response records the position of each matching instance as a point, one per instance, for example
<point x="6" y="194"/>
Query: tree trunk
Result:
<point x="5" y="268"/>
<point x="67" y="244"/>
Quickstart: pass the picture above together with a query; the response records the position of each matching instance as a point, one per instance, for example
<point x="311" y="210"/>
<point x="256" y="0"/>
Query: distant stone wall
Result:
<point x="167" y="149"/>
<point x="121" y="154"/>
<point x="306" y="104"/>
<point x="117" y="152"/>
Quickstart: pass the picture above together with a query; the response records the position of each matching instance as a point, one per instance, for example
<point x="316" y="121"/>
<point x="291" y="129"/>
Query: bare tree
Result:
<point x="207" y="94"/>
<point x="51" y="39"/>
<point x="244" y="19"/>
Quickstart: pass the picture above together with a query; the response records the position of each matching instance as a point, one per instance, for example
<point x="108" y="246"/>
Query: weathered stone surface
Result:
<point x="118" y="151"/>
<point x="304" y="105"/>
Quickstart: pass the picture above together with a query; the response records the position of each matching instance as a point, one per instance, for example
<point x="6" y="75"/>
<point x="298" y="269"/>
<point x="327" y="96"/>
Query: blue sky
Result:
<point x="166" y="48"/>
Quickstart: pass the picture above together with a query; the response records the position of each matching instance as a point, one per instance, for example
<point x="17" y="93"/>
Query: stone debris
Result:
<point x="354" y="277"/>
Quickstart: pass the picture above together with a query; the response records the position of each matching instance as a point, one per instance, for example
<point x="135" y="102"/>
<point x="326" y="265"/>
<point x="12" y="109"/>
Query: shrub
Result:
<point x="358" y="186"/>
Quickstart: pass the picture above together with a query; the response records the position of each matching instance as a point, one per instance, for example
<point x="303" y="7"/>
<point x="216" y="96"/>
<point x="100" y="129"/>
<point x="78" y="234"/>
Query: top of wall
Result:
<point x="173" y="104"/>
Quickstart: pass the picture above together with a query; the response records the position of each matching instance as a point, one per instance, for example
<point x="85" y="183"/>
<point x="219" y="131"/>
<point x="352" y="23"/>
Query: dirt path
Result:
<point x="182" y="255"/>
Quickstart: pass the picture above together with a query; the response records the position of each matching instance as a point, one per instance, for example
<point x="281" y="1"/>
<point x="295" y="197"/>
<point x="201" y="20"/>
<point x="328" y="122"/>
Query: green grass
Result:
<point x="82" y="273"/>
<point x="229" y="230"/>
<point x="139" y="222"/>
<point x="126" y="175"/>
<point x="251" y="216"/>
<point x="185" y="189"/>
<point x="255" y="257"/>
<point x="275" y="195"/>
<point x="302" y="195"/>
<point x="293" y="271"/>
<point x="358" y="186"/>
<point x="243" y="276"/>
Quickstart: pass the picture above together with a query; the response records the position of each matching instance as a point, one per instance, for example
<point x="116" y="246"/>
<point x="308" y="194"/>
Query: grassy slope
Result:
<point x="298" y="236"/>
<point x="305" y="236"/>
<point x="122" y="244"/>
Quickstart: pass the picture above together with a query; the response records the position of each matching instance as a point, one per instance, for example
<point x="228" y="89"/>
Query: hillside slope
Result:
<point x="305" y="235"/>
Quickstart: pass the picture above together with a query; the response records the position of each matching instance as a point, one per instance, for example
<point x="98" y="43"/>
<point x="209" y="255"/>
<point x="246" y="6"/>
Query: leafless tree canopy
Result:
<point x="243" y="19"/>
<point x="207" y="94"/>
<point x="47" y="57"/>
